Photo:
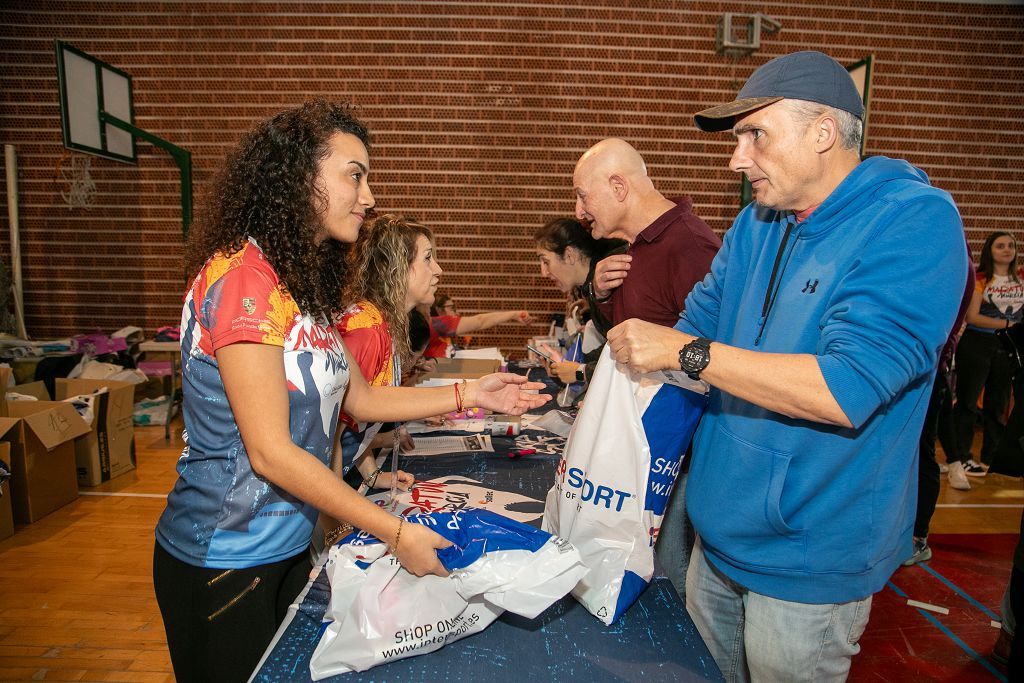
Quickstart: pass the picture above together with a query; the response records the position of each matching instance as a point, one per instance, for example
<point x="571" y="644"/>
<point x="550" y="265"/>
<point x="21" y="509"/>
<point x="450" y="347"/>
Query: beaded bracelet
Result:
<point x="371" y="480"/>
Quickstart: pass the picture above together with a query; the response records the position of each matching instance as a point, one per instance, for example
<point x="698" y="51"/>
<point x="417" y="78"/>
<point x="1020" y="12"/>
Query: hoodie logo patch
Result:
<point x="810" y="287"/>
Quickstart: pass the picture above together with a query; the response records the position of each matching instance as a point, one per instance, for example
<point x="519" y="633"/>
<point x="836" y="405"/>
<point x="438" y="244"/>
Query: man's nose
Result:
<point x="739" y="161"/>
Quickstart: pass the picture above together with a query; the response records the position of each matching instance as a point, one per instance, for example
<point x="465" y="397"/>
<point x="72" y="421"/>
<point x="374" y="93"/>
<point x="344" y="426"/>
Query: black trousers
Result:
<point x="219" y="622"/>
<point x="1015" y="669"/>
<point x="981" y="364"/>
<point x="938" y="423"/>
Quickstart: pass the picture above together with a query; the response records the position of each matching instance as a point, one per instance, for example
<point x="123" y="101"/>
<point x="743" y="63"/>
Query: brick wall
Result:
<point x="479" y="111"/>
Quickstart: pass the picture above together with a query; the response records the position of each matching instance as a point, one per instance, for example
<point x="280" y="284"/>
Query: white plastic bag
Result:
<point x="615" y="477"/>
<point x="379" y="612"/>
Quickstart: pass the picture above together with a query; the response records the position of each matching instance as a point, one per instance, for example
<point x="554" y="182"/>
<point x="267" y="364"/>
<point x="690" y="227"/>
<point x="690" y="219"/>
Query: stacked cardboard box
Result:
<point x="6" y="510"/>
<point x="41" y="435"/>
<point x="52" y="450"/>
<point x="108" y="449"/>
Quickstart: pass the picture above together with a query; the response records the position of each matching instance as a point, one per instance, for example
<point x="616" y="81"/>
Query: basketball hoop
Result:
<point x="79" y="190"/>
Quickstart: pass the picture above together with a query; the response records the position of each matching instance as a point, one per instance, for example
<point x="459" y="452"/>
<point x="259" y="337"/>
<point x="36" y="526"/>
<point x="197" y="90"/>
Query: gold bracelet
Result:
<point x="398" y="534"/>
<point x="331" y="537"/>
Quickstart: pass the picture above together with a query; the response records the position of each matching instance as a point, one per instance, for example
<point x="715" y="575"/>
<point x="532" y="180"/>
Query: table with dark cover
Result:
<point x="655" y="640"/>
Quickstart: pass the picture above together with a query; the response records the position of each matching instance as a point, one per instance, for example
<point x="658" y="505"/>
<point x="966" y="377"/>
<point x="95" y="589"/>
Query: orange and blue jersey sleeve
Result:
<point x="244" y="302"/>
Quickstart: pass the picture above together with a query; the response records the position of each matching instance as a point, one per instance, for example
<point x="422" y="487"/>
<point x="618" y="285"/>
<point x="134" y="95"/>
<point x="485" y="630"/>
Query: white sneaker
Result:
<point x="975" y="469"/>
<point x="957" y="478"/>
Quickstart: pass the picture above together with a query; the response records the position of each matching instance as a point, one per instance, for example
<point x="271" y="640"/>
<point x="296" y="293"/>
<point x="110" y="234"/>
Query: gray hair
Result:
<point x="851" y="128"/>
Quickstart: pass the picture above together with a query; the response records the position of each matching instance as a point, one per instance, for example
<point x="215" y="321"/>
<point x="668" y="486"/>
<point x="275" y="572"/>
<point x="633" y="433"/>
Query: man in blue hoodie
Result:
<point x="818" y="329"/>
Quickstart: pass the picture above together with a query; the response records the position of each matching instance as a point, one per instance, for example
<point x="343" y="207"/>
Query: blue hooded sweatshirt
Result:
<point x="869" y="285"/>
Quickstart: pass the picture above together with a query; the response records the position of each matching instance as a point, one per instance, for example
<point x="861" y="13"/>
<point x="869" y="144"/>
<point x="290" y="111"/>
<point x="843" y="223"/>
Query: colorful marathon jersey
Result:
<point x="220" y="513"/>
<point x="368" y="338"/>
<point x="442" y="335"/>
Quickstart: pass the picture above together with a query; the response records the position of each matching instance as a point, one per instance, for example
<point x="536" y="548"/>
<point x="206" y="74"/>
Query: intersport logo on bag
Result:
<point x="573" y="484"/>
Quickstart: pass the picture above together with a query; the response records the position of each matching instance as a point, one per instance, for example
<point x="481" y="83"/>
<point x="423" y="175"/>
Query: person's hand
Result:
<point x="417" y="550"/>
<point x="646" y="347"/>
<point x="506" y="393"/>
<point x="576" y="308"/>
<point x="405" y="441"/>
<point x="555" y="357"/>
<point x="610" y="273"/>
<point x="522" y="317"/>
<point x="566" y="370"/>
<point x="405" y="481"/>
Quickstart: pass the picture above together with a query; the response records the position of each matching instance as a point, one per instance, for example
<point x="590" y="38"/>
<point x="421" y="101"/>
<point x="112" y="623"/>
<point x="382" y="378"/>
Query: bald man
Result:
<point x="669" y="247"/>
<point x="670" y="251"/>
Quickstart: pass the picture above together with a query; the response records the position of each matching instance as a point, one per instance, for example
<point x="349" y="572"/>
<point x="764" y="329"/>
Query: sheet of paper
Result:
<point x="439" y="445"/>
<point x="678" y="378"/>
<point x="490" y="353"/>
<point x="555" y="421"/>
<point x="421" y="427"/>
<point x="438" y="382"/>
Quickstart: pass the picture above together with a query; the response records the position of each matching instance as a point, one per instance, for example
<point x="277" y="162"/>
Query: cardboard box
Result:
<point x="36" y="389"/>
<point x="6" y="511"/>
<point x="41" y="435"/>
<point x="108" y="450"/>
<point x="469" y="368"/>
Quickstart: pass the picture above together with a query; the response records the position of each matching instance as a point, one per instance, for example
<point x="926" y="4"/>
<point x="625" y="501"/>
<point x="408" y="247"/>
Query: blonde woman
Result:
<point x="393" y="269"/>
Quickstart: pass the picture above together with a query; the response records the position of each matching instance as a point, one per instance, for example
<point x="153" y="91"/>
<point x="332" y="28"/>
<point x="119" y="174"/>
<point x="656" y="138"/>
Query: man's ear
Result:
<point x="826" y="133"/>
<point x="620" y="188"/>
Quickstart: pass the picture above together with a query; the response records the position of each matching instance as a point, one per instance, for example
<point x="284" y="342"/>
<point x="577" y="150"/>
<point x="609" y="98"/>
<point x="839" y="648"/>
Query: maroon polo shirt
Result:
<point x="670" y="256"/>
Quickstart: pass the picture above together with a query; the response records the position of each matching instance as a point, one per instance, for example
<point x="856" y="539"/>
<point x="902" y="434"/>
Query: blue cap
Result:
<point x="811" y="76"/>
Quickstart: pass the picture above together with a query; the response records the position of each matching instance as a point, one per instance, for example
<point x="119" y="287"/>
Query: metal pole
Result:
<point x="11" y="164"/>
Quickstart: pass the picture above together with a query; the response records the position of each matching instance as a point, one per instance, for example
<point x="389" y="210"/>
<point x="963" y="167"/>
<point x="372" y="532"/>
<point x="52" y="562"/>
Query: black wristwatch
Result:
<point x="581" y="376"/>
<point x="694" y="357"/>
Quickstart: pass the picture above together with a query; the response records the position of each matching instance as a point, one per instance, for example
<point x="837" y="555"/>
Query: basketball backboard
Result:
<point x="89" y="86"/>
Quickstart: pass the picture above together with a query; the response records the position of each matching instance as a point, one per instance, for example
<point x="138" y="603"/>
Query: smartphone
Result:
<point x="541" y="354"/>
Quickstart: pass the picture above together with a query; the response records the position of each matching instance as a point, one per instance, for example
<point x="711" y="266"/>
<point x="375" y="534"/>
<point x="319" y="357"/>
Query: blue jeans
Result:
<point x="676" y="537"/>
<point x="753" y="637"/>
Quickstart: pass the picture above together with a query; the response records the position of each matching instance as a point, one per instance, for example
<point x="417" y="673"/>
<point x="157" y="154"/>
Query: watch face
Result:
<point x="693" y="357"/>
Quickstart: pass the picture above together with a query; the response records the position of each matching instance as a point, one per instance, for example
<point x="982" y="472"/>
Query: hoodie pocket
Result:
<point x="735" y="499"/>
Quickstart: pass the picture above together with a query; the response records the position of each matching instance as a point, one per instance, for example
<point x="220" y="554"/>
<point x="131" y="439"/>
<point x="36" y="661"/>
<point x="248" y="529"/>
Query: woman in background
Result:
<point x="981" y="362"/>
<point x="392" y="270"/>
<point x="264" y="377"/>
<point x="568" y="255"/>
<point x="446" y="324"/>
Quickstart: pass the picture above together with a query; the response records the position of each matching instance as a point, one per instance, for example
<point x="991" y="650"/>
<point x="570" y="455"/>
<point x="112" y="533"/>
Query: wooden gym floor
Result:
<point x="76" y="596"/>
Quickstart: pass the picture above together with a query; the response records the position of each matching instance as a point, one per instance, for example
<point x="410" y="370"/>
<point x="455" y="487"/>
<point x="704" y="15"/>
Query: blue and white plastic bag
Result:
<point x="379" y="612"/>
<point x="615" y="477"/>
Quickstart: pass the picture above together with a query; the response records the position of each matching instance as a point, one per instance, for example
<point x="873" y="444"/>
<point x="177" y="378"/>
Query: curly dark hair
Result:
<point x="267" y="190"/>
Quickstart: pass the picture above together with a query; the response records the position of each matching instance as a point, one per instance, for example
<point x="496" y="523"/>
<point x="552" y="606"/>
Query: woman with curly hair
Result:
<point x="264" y="378"/>
<point x="393" y="269"/>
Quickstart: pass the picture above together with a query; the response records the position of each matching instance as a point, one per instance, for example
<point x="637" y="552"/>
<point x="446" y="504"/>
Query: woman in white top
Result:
<point x="981" y="364"/>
